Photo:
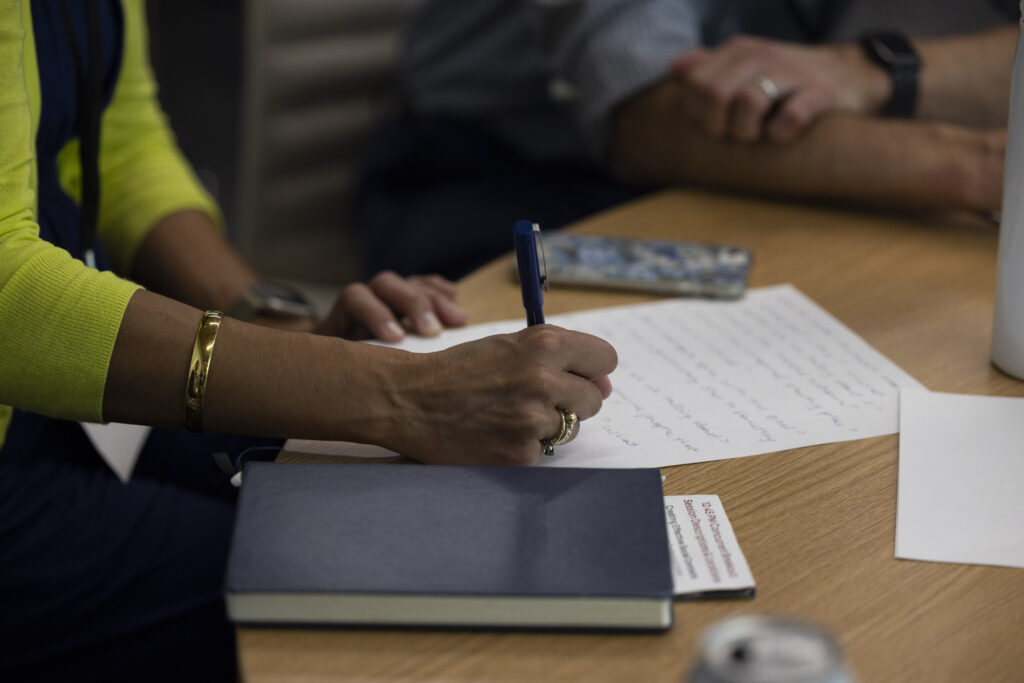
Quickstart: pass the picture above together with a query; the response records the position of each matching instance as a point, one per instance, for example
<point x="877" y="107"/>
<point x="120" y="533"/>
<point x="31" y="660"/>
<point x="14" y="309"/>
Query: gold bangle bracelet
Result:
<point x="199" y="369"/>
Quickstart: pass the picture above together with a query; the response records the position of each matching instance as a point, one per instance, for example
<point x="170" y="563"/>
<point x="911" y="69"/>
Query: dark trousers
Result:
<point x="103" y="581"/>
<point x="440" y="195"/>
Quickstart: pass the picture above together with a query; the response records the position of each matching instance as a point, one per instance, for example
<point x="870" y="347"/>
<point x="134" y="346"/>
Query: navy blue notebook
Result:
<point x="417" y="545"/>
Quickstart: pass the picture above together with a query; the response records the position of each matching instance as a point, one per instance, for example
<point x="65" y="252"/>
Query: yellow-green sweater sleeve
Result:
<point x="58" y="319"/>
<point x="143" y="174"/>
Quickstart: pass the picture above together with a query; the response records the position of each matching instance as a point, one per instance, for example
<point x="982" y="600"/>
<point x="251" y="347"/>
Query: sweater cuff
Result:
<point x="61" y="320"/>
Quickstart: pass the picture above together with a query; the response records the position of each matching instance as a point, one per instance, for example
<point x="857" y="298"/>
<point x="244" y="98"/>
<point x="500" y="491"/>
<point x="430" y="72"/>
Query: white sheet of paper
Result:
<point x="706" y="380"/>
<point x="961" y="479"/>
<point x="705" y="554"/>
<point x="119" y="444"/>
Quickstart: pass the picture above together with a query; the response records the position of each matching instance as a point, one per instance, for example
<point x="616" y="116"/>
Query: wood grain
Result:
<point x="816" y="524"/>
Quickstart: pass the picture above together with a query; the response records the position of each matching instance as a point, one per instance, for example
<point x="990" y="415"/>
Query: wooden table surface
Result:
<point x="816" y="524"/>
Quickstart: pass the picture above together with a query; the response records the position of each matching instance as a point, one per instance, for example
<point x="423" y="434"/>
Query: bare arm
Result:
<point x="966" y="79"/>
<point x="186" y="257"/>
<point x="486" y="402"/>
<point x="880" y="161"/>
<point x="262" y="380"/>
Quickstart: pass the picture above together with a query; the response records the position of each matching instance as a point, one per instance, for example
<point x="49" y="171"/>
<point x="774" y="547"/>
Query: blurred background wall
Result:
<point x="270" y="100"/>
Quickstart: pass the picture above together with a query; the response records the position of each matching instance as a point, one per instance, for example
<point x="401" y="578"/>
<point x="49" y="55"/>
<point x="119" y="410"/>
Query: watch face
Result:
<point x="276" y="297"/>
<point x="894" y="49"/>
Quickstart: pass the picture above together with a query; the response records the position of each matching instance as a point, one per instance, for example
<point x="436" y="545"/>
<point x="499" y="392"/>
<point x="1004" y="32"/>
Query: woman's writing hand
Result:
<point x="492" y="401"/>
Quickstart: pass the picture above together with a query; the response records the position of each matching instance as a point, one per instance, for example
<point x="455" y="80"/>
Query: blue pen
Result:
<point x="530" y="279"/>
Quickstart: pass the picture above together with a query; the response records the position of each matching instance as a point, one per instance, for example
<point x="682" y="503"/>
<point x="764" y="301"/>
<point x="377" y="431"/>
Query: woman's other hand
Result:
<point x="388" y="305"/>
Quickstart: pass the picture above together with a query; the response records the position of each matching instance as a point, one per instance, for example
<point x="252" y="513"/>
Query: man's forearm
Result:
<point x="966" y="79"/>
<point x="880" y="161"/>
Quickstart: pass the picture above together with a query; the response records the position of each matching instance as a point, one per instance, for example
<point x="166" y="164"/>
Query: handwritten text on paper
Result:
<point x="706" y="380"/>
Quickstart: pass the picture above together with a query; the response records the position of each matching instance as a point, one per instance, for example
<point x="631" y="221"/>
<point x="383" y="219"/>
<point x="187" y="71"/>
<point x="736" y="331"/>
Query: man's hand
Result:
<point x="750" y="89"/>
<point x="388" y="304"/>
<point x="875" y="160"/>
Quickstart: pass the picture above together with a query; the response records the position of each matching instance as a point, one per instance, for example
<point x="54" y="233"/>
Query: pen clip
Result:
<point x="543" y="257"/>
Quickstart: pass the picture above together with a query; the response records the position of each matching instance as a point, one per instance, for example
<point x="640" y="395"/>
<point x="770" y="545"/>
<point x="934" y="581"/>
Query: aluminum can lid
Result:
<point x="769" y="649"/>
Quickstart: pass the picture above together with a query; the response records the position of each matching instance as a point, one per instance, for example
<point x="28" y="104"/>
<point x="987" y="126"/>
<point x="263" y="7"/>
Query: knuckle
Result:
<point x="718" y="94"/>
<point x="420" y="301"/>
<point x="823" y="92"/>
<point x="352" y="292"/>
<point x="383" y="277"/>
<point x="530" y="421"/>
<point x="536" y="381"/>
<point x="545" y="339"/>
<point x="795" y="115"/>
<point x="546" y="421"/>
<point x="751" y="100"/>
<point x="537" y="414"/>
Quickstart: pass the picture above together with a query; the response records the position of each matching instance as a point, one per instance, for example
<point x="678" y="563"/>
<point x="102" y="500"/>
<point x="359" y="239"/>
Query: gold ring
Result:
<point x="565" y="431"/>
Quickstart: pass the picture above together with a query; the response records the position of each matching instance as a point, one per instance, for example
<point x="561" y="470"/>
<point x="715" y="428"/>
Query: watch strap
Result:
<point x="894" y="53"/>
<point x="903" y="102"/>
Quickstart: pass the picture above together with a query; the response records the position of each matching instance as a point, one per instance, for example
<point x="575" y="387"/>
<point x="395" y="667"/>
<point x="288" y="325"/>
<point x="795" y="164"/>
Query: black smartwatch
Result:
<point x="273" y="298"/>
<point x="894" y="53"/>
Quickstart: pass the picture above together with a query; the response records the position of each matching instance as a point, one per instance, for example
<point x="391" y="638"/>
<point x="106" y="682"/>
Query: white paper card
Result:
<point x="357" y="450"/>
<point x="961" y="479"/>
<point x="119" y="444"/>
<point x="706" y="380"/>
<point x="706" y="558"/>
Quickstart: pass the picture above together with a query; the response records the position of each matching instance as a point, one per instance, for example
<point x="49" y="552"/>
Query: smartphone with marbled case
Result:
<point x="655" y="266"/>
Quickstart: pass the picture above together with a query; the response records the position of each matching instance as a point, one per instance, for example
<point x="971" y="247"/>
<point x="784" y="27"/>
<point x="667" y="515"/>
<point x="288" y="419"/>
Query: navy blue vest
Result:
<point x="58" y="213"/>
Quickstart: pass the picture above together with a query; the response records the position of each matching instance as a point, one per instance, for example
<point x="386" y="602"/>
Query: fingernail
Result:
<point x="429" y="324"/>
<point x="393" y="330"/>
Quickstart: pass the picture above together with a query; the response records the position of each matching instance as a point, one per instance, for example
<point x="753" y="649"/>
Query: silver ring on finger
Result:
<point x="766" y="86"/>
<point x="566" y="431"/>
